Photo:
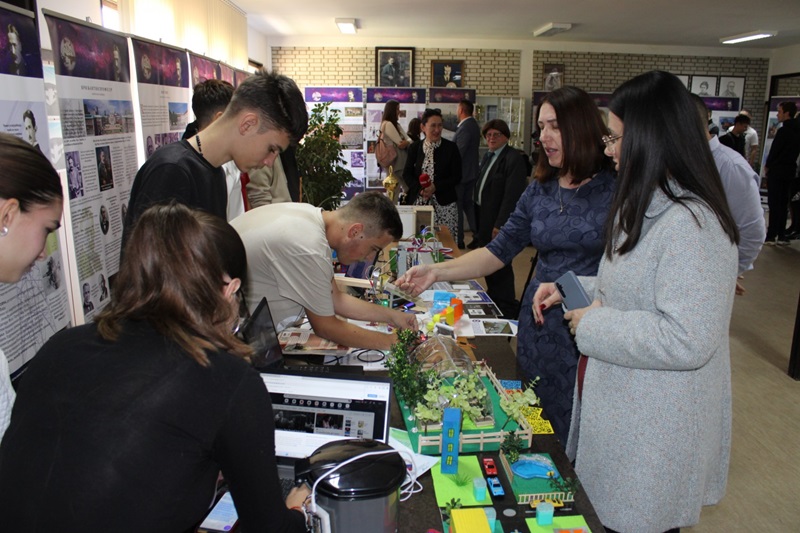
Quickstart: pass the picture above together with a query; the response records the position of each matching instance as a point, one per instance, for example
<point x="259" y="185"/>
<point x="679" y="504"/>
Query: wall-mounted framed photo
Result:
<point x="704" y="85"/>
<point x="394" y="67"/>
<point x="447" y="73"/>
<point x="553" y="76"/>
<point x="684" y="79"/>
<point x="731" y="86"/>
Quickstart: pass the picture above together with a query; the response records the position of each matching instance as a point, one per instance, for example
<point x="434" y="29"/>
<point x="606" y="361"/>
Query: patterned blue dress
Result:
<point x="569" y="240"/>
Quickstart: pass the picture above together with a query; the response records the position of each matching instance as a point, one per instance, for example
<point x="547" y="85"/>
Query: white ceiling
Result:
<point x="627" y="22"/>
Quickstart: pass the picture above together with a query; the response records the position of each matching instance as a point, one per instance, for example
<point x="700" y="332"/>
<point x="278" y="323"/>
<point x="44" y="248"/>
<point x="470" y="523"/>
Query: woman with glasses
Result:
<point x="432" y="171"/>
<point x="124" y="424"/>
<point x="562" y="213"/>
<point x="652" y="425"/>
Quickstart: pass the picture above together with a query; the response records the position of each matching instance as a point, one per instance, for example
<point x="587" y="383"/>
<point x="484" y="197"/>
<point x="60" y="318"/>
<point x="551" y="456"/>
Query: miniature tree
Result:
<point x="512" y="446"/>
<point x="567" y="485"/>
<point x="516" y="401"/>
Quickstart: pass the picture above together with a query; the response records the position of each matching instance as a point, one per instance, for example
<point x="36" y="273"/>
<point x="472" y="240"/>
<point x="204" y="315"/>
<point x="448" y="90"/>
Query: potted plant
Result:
<point x="319" y="159"/>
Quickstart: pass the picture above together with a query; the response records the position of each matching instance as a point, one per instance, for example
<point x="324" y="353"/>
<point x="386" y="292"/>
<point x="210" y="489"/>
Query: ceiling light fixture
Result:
<point x="552" y="28"/>
<point x="751" y="36"/>
<point x="347" y="26"/>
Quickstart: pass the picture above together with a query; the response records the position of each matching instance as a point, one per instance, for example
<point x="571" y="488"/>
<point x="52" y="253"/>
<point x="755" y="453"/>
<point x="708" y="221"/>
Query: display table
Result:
<point x="421" y="513"/>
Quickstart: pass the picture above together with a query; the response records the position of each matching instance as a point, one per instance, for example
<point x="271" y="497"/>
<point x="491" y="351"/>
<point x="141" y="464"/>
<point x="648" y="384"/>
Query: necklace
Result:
<point x="561" y="203"/>
<point x="199" y="144"/>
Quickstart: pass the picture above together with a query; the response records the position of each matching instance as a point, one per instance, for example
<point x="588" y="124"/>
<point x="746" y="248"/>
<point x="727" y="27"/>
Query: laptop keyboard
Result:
<point x="286" y="486"/>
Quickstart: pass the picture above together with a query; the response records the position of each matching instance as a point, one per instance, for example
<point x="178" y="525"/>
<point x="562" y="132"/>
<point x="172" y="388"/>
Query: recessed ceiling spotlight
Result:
<point x="552" y="28"/>
<point x="751" y="36"/>
<point x="347" y="26"/>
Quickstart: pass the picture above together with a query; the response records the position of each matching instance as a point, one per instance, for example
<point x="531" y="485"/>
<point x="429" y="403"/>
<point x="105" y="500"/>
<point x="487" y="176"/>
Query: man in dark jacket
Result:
<point x="501" y="181"/>
<point x="780" y="169"/>
<point x="468" y="139"/>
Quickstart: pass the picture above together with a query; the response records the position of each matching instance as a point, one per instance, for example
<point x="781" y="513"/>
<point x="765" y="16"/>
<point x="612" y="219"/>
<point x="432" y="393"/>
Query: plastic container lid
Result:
<point x="367" y="477"/>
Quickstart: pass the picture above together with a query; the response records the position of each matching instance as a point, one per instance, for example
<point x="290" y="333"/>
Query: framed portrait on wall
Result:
<point x="704" y="85"/>
<point x="394" y="67"/>
<point x="731" y="86"/>
<point x="553" y="76"/>
<point x="447" y="73"/>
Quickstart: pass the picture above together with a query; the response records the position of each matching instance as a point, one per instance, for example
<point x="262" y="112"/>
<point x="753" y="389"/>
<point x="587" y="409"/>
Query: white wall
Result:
<point x="79" y="9"/>
<point x="785" y="60"/>
<point x="258" y="47"/>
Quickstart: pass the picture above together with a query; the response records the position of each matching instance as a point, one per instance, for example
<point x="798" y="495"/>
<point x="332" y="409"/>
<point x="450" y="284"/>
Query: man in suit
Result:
<point x="780" y="169"/>
<point x="501" y="181"/>
<point x="467" y="138"/>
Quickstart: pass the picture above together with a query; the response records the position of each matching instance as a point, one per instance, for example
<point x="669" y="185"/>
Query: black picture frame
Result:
<point x="447" y="73"/>
<point x="394" y="67"/>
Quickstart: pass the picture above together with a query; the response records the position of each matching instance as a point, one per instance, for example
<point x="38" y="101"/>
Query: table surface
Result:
<point x="420" y="512"/>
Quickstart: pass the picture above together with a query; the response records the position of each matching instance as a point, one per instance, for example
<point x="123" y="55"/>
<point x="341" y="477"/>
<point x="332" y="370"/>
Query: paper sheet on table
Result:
<point x="497" y="327"/>
<point x="398" y="439"/>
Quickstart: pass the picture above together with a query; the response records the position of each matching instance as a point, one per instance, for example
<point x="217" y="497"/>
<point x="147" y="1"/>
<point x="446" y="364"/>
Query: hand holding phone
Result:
<point x="572" y="292"/>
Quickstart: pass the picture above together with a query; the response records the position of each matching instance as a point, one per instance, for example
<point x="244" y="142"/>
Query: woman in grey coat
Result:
<point x="651" y="427"/>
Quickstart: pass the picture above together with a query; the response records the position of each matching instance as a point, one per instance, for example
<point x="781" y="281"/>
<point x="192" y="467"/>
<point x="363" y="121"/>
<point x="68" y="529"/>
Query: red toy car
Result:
<point x="489" y="466"/>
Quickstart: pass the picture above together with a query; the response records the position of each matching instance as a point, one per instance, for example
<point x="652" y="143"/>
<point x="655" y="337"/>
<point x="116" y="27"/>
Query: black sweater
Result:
<point x="129" y="436"/>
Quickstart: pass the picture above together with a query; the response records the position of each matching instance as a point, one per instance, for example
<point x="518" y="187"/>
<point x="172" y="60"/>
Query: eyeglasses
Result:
<point x="610" y="140"/>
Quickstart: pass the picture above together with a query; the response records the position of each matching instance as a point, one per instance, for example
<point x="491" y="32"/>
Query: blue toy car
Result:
<point x="495" y="487"/>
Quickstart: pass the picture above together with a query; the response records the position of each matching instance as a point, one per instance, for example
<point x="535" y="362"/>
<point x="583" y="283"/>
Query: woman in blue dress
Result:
<point x="562" y="213"/>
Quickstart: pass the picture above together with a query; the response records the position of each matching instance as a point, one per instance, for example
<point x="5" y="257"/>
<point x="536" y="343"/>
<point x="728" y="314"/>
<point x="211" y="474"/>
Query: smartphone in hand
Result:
<point x="572" y="292"/>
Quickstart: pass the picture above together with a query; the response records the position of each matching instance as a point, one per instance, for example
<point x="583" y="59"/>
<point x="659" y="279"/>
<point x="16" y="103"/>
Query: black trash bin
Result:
<point x="362" y="495"/>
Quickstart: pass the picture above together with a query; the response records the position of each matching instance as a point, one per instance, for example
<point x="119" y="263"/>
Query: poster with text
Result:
<point x="349" y="103"/>
<point x="37" y="306"/>
<point x="92" y="81"/>
<point x="164" y="93"/>
<point x="412" y="105"/>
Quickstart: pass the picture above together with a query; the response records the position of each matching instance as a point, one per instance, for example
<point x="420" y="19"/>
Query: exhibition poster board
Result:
<point x="412" y="105"/>
<point x="349" y="102"/>
<point x="36" y="307"/>
<point x="92" y="79"/>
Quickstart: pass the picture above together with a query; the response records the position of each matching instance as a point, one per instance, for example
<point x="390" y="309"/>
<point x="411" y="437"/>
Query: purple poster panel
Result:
<point x="377" y="95"/>
<point x="226" y="73"/>
<point x="157" y="64"/>
<point x="450" y="96"/>
<point x="20" y="41"/>
<point x="203" y="69"/>
<point x="334" y="94"/>
<point x="239" y="76"/>
<point x="84" y="52"/>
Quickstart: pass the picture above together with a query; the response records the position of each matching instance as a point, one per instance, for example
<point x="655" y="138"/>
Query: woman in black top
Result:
<point x="441" y="161"/>
<point x="124" y="424"/>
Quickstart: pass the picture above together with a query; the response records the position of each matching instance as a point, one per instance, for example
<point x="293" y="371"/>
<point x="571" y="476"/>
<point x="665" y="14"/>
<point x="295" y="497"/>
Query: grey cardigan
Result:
<point x="652" y="434"/>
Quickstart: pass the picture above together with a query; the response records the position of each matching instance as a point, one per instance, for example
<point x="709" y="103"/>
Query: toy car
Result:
<point x="495" y="487"/>
<point x="489" y="467"/>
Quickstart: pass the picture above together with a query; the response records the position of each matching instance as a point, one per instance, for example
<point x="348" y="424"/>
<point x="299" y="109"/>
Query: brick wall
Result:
<point x="789" y="86"/>
<point x="489" y="72"/>
<point x="494" y="72"/>
<point x="595" y="72"/>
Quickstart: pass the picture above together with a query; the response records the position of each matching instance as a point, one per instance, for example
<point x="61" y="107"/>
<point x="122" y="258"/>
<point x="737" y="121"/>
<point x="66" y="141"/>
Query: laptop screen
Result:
<point x="313" y="409"/>
<point x="259" y="332"/>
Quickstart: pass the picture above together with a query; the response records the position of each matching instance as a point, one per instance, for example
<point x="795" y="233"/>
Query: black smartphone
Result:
<point x="572" y="292"/>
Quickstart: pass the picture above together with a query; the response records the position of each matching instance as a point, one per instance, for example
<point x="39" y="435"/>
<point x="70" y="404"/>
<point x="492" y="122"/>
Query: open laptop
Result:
<point x="314" y="409"/>
<point x="260" y="333"/>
